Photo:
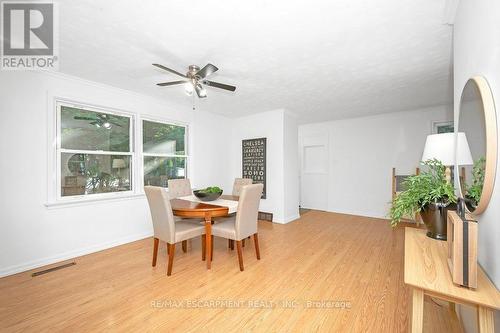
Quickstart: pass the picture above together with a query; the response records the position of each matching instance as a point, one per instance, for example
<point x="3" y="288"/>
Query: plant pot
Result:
<point x="471" y="204"/>
<point x="435" y="219"/>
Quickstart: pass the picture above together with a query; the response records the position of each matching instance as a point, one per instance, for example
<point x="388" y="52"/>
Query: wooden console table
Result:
<point x="427" y="273"/>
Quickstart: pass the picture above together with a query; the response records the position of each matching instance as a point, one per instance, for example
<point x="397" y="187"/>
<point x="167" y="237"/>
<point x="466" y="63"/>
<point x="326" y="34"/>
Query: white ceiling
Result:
<point x="322" y="60"/>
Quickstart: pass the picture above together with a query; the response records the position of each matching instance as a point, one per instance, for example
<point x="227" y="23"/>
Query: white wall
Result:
<point x="33" y="235"/>
<point x="477" y="52"/>
<point x="363" y="151"/>
<point x="210" y="156"/>
<point x="290" y="167"/>
<point x="271" y="125"/>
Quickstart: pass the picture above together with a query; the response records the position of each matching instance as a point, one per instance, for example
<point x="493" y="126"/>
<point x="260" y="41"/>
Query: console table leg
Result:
<point x="485" y="320"/>
<point x="417" y="316"/>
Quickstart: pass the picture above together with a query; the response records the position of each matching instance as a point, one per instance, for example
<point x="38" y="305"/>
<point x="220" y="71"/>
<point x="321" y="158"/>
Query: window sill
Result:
<point x="91" y="201"/>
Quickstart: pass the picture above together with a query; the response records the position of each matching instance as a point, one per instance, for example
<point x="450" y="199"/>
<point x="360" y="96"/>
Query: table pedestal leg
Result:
<point x="417" y="315"/>
<point x="485" y="320"/>
<point x="208" y="239"/>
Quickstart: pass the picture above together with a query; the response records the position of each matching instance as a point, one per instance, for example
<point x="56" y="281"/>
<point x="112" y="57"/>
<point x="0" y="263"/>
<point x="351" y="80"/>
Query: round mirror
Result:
<point x="476" y="149"/>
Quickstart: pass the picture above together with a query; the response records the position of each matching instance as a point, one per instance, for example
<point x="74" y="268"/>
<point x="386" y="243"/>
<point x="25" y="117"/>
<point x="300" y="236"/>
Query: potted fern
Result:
<point x="429" y="194"/>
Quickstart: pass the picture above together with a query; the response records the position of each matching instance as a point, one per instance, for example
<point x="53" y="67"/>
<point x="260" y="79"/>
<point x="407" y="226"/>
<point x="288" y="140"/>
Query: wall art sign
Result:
<point x="254" y="161"/>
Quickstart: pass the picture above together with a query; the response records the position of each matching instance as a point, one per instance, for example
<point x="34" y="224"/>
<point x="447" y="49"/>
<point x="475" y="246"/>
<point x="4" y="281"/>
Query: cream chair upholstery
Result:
<point x="244" y="224"/>
<point x="239" y="183"/>
<point x="165" y="227"/>
<point x="179" y="188"/>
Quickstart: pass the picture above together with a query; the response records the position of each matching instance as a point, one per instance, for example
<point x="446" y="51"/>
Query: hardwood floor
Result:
<point x="354" y="261"/>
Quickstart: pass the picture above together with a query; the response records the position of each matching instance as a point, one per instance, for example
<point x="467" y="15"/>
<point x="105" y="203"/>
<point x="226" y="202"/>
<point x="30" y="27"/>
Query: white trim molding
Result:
<point x="26" y="266"/>
<point x="450" y="11"/>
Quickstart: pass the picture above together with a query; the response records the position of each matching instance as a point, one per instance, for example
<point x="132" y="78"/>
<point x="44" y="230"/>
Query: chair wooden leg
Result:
<point x="184" y="246"/>
<point x="155" y="250"/>
<point x="240" y="254"/>
<point x="231" y="244"/>
<point x="243" y="243"/>
<point x="256" y="242"/>
<point x="171" y="252"/>
<point x="203" y="252"/>
<point x="212" y="247"/>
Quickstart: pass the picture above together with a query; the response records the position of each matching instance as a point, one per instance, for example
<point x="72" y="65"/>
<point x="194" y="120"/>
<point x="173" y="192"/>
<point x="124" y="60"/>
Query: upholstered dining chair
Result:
<point x="179" y="188"/>
<point x="244" y="224"/>
<point x="239" y="183"/>
<point x="166" y="228"/>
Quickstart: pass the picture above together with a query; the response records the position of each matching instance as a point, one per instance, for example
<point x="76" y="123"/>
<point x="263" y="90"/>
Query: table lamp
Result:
<point x="118" y="163"/>
<point x="442" y="147"/>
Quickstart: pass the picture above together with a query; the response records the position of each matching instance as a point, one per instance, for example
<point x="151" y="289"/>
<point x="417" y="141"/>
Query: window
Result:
<point x="164" y="152"/>
<point x="95" y="154"/>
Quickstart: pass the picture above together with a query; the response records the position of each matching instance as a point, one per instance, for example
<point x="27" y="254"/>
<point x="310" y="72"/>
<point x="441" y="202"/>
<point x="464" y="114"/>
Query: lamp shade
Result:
<point x="118" y="163"/>
<point x="442" y="147"/>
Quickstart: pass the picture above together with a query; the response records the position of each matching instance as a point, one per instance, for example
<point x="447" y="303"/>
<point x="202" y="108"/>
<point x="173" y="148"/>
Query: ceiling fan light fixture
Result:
<point x="203" y="93"/>
<point x="195" y="80"/>
<point x="188" y="87"/>
<point x="106" y="125"/>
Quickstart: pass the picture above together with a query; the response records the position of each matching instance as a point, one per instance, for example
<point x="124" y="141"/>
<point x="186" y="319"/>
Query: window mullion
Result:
<point x="94" y="152"/>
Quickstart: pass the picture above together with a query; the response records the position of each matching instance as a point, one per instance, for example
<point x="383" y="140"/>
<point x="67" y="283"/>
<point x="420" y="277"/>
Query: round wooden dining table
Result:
<point x="205" y="210"/>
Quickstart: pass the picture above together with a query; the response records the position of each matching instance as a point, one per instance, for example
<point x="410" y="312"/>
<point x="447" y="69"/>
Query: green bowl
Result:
<point x="203" y="196"/>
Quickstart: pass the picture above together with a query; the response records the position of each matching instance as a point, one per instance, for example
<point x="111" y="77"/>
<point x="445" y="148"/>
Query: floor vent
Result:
<point x="265" y="216"/>
<point x="45" y="271"/>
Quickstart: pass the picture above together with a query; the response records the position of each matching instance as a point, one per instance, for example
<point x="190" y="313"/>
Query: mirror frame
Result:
<point x="491" y="141"/>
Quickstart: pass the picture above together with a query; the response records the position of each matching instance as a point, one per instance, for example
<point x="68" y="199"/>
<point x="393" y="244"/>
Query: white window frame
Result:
<point x="59" y="151"/>
<point x="141" y="145"/>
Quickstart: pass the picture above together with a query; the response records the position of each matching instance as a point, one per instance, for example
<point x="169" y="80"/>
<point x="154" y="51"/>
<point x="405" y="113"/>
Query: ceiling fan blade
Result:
<point x="206" y="71"/>
<point x="200" y="91"/>
<point x="115" y="123"/>
<point x="219" y="85"/>
<point x="173" y="83"/>
<point x="169" y="70"/>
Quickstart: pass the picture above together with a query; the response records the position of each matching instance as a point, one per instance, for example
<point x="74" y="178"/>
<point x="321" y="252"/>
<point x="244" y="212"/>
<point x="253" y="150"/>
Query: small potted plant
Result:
<point x="473" y="192"/>
<point x="208" y="194"/>
<point x="429" y="194"/>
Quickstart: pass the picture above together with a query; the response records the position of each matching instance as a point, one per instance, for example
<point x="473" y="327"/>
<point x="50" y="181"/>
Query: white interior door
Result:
<point x="314" y="172"/>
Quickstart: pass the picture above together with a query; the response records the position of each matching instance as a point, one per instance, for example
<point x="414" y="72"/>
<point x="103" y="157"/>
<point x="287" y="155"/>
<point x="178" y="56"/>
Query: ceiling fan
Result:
<point x="101" y="120"/>
<point x="194" y="79"/>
